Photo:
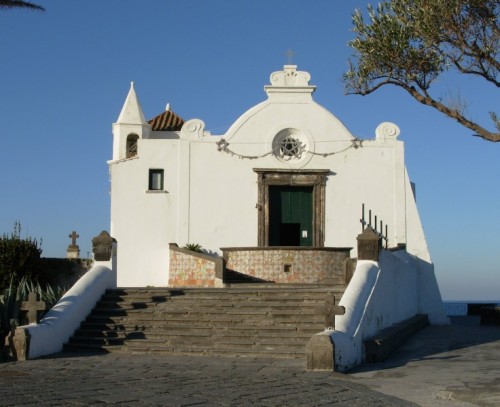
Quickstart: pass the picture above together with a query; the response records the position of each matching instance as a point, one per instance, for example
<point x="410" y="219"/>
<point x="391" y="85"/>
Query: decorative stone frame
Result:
<point x="303" y="178"/>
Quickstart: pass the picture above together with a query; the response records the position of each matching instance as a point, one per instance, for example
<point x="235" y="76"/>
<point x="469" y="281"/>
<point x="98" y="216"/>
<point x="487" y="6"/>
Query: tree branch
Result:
<point x="410" y="43"/>
<point x="20" y="4"/>
<point x="455" y="114"/>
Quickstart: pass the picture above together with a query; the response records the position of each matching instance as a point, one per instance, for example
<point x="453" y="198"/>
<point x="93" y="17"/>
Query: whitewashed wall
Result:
<point x="381" y="294"/>
<point x="211" y="196"/>
<point x="62" y="320"/>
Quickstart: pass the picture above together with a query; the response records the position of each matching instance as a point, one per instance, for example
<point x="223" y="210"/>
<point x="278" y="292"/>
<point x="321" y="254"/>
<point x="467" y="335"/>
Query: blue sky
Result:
<point x="66" y="73"/>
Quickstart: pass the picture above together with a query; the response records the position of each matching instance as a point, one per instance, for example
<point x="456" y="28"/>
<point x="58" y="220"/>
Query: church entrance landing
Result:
<point x="278" y="264"/>
<point x="290" y="265"/>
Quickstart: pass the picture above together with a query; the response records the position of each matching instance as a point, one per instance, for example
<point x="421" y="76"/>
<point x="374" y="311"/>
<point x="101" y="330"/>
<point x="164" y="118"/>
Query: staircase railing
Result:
<point x="377" y="226"/>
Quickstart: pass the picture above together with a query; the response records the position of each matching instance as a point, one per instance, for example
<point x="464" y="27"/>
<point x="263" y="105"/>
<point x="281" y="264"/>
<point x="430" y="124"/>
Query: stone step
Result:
<point x="234" y="352"/>
<point x="247" y="320"/>
<point x="297" y="298"/>
<point x="215" y="319"/>
<point x="190" y="340"/>
<point x="235" y="348"/>
<point x="162" y="294"/>
<point x="194" y="305"/>
<point x="201" y="351"/>
<point x="220" y="304"/>
<point x="204" y="314"/>
<point x="214" y="303"/>
<point x="91" y="347"/>
<point x="283" y="335"/>
<point x="251" y="286"/>
<point x="242" y="347"/>
<point x="145" y="348"/>
<point x="232" y="314"/>
<point x="160" y="326"/>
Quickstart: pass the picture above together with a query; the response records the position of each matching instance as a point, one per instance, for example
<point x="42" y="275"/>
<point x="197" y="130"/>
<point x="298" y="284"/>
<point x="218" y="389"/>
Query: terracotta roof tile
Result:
<point x="166" y="121"/>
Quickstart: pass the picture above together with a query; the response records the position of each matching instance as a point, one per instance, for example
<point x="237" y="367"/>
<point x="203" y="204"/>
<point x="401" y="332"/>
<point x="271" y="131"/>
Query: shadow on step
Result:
<point x="233" y="277"/>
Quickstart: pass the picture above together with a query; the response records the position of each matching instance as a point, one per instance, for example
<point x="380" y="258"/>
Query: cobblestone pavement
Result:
<point x="150" y="380"/>
<point x="456" y="365"/>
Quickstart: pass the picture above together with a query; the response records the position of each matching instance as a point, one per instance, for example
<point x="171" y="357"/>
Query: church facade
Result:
<point x="287" y="174"/>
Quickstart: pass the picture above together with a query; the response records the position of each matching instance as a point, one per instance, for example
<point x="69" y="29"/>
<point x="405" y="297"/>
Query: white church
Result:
<point x="281" y="197"/>
<point x="286" y="173"/>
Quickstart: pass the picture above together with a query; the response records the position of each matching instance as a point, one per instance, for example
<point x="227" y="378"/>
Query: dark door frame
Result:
<point x="311" y="178"/>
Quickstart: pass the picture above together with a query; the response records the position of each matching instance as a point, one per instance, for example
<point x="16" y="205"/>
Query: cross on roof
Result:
<point x="290" y="53"/>
<point x="33" y="306"/>
<point x="73" y="237"/>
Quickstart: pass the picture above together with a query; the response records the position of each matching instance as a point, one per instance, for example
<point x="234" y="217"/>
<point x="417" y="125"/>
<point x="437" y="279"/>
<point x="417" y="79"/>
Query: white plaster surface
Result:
<point x="210" y="195"/>
<point x="381" y="294"/>
<point x="59" y="324"/>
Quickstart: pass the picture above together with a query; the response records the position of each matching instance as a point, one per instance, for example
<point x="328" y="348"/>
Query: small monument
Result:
<point x="73" y="250"/>
<point x="32" y="307"/>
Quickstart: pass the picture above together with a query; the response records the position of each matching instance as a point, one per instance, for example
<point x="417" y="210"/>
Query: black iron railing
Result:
<point x="377" y="225"/>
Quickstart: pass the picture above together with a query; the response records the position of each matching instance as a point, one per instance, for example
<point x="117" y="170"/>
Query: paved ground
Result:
<point x="458" y="365"/>
<point x="177" y="381"/>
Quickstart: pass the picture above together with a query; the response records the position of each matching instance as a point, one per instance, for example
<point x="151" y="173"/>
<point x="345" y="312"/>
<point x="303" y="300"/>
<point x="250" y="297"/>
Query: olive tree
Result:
<point x="5" y="4"/>
<point x="412" y="43"/>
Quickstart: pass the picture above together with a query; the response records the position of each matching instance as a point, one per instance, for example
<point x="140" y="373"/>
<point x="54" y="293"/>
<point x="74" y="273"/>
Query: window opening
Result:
<point x="155" y="180"/>
<point x="131" y="145"/>
<point x="291" y="147"/>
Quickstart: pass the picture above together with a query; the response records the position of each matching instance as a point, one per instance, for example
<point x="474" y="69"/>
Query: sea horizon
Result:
<point x="460" y="308"/>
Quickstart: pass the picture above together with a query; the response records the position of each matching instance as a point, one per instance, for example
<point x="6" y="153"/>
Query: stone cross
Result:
<point x="73" y="237"/>
<point x="290" y="53"/>
<point x="331" y="310"/>
<point x="33" y="306"/>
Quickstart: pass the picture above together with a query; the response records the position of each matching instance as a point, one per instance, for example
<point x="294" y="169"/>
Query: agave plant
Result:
<point x="194" y="247"/>
<point x="48" y="294"/>
<point x="9" y="310"/>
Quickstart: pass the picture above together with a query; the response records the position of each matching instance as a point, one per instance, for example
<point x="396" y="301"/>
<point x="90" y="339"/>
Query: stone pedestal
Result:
<point x="102" y="246"/>
<point x="19" y="343"/>
<point x="369" y="245"/>
<point x="73" y="250"/>
<point x="320" y="352"/>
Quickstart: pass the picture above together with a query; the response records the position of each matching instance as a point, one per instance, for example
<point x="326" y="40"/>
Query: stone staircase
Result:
<point x="246" y="320"/>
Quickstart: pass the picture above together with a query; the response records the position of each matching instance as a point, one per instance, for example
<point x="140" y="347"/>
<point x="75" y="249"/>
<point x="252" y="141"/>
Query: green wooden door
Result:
<point x="290" y="216"/>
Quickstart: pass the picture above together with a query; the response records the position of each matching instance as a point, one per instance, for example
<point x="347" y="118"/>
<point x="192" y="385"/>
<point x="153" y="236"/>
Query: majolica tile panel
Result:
<point x="188" y="270"/>
<point x="289" y="265"/>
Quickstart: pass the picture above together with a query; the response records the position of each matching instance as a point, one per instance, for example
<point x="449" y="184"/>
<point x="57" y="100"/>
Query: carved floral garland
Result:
<point x="285" y="150"/>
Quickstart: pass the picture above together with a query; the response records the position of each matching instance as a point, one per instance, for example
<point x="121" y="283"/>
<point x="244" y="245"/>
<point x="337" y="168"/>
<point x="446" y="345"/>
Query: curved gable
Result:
<point x="289" y="106"/>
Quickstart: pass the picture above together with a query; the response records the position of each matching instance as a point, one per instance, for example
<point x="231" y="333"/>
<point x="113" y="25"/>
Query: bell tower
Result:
<point x="130" y="127"/>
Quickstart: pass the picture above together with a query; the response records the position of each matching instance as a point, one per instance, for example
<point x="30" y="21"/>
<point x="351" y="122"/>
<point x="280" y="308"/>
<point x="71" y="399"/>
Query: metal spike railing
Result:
<point x="377" y="226"/>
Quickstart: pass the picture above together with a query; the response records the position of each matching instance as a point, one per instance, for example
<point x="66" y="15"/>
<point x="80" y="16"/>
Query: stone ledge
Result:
<point x="386" y="341"/>
<point x="281" y="248"/>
